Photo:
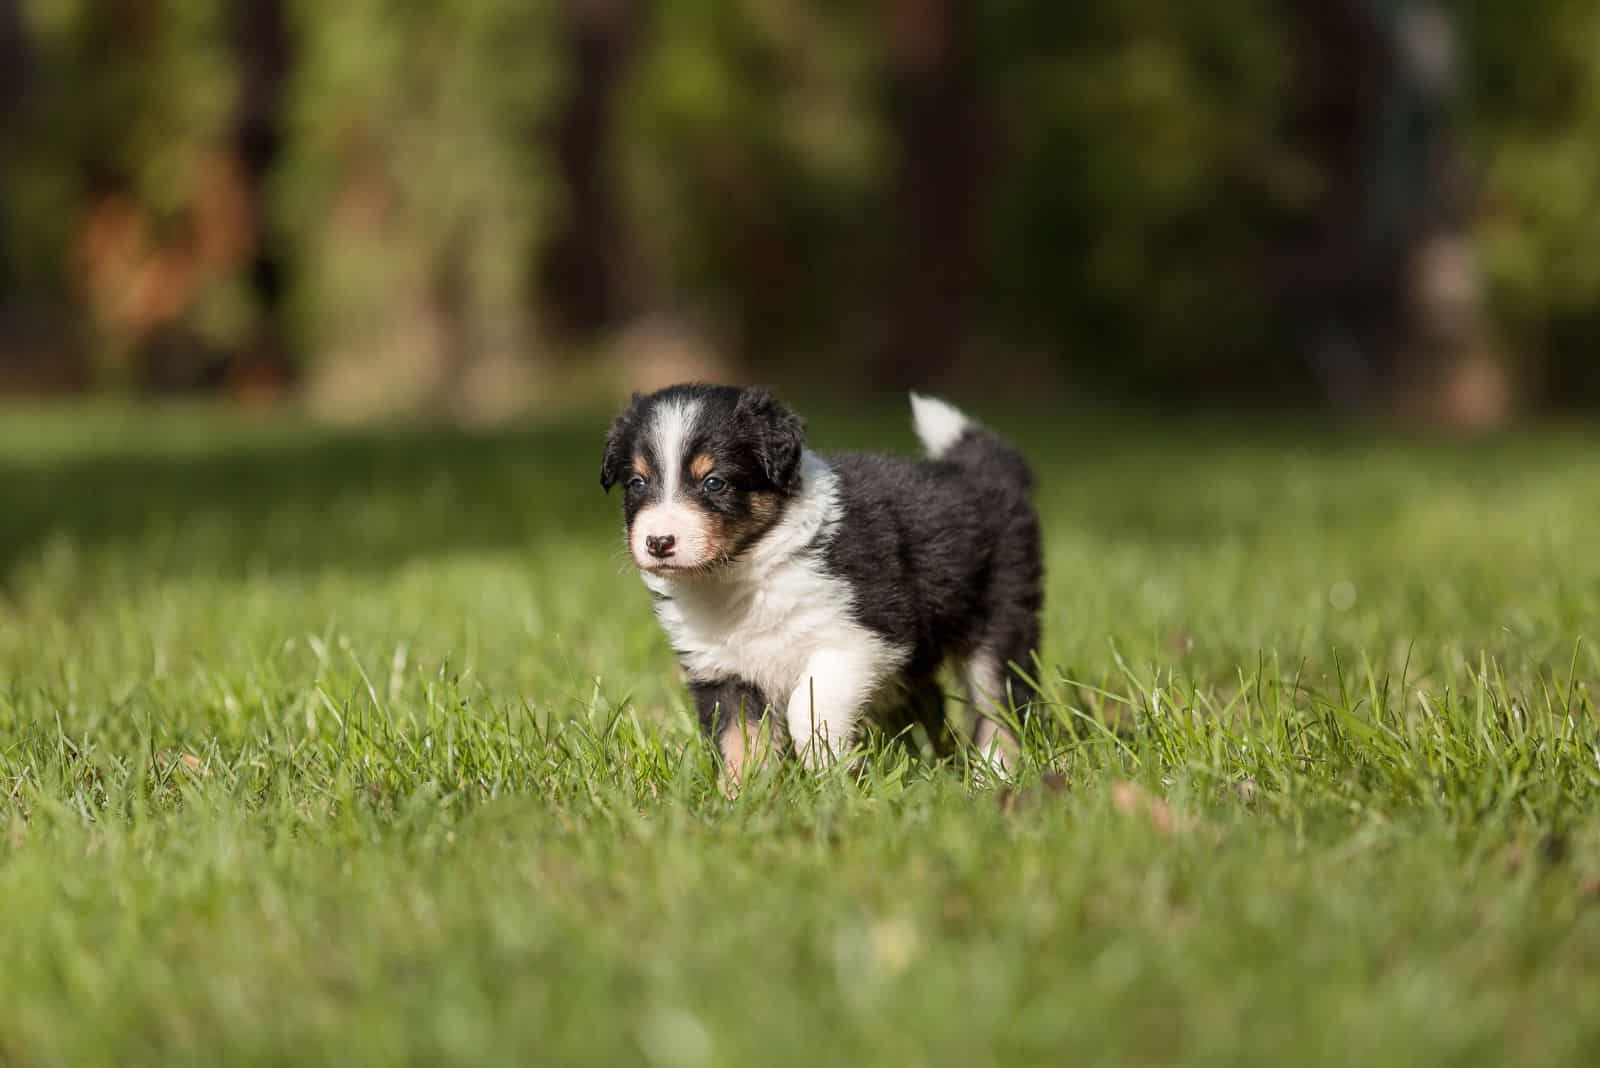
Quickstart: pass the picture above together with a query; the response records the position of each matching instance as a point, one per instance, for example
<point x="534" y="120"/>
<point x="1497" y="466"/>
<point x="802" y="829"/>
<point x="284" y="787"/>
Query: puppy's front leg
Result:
<point x="834" y="687"/>
<point x="732" y="713"/>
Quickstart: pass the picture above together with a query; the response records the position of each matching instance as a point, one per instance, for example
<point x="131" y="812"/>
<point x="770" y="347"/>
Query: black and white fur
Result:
<point x="822" y="589"/>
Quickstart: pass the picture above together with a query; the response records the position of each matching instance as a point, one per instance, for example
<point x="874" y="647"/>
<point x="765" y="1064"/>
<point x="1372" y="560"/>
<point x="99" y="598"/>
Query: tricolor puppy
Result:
<point x="819" y="590"/>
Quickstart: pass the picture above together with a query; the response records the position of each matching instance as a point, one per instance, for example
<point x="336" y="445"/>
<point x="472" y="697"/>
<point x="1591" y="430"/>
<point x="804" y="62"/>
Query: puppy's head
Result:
<point x="705" y="470"/>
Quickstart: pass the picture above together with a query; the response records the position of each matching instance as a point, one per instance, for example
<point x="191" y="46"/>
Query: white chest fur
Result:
<point x="777" y="618"/>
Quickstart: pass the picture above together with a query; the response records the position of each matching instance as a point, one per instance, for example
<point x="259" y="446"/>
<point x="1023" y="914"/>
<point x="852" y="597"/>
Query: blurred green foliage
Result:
<point x="413" y="175"/>
<point x="1136" y="183"/>
<point x="1535" y="117"/>
<point x="94" y="105"/>
<point x="756" y="160"/>
<point x="1142" y="174"/>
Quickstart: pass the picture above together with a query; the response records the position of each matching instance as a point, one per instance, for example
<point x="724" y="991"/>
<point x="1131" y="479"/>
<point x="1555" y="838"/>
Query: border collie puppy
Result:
<point x="812" y="591"/>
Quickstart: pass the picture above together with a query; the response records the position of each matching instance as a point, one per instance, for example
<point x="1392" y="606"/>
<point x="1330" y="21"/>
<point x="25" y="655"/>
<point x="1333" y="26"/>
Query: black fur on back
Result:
<point x="943" y="555"/>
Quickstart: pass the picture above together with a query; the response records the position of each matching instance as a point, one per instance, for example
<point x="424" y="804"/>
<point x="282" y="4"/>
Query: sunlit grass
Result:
<point x="338" y="748"/>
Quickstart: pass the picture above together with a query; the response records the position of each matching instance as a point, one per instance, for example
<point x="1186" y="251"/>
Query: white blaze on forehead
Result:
<point x="671" y="428"/>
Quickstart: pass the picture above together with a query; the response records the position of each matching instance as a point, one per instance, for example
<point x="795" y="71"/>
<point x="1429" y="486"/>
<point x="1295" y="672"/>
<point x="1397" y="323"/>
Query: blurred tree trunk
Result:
<point x="133" y="344"/>
<point x="16" y="83"/>
<point x="1334" y="300"/>
<point x="938" y="125"/>
<point x="114" y="35"/>
<point x="265" y="54"/>
<point x="1383" y="289"/>
<point x="37" y="347"/>
<point x="584" y="268"/>
<point x="1449" y="372"/>
<point x="16" y="67"/>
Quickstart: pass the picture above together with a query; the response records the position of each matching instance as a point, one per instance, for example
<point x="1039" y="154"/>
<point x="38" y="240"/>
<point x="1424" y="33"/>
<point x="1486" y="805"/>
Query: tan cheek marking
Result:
<point x="701" y="466"/>
<point x="725" y="537"/>
<point x="763" y="508"/>
<point x="718" y="542"/>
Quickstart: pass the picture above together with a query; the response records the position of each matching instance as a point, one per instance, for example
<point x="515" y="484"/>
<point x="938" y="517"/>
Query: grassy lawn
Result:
<point x="329" y="748"/>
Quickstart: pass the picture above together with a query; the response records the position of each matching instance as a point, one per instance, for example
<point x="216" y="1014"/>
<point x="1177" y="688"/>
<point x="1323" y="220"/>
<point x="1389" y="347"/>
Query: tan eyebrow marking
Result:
<point x="641" y="466"/>
<point x="702" y="465"/>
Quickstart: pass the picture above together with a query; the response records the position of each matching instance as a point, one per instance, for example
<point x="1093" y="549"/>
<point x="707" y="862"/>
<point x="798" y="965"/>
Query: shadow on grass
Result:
<point x="280" y="498"/>
<point x="181" y="493"/>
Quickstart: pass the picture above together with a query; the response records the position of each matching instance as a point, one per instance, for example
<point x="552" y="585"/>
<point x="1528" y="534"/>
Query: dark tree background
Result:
<point x="460" y="206"/>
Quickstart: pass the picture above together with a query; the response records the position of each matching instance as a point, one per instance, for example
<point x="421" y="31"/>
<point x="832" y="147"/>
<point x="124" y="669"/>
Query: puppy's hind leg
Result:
<point x="1001" y="695"/>
<point x="992" y="695"/>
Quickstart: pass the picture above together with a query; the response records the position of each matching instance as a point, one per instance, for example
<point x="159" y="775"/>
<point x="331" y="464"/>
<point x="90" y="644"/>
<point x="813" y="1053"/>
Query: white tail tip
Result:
<point x="938" y="424"/>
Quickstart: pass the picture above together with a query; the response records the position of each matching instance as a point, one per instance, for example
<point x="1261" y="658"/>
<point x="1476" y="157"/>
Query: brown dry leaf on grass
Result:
<point x="1128" y="798"/>
<point x="187" y="761"/>
<point x="1010" y="797"/>
<point x="1131" y="799"/>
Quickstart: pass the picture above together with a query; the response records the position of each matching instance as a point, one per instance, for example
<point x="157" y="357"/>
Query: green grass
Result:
<point x="333" y="748"/>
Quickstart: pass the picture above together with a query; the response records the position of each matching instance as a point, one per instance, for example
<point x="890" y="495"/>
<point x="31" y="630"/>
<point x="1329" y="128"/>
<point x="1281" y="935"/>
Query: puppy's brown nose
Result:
<point x="660" y="547"/>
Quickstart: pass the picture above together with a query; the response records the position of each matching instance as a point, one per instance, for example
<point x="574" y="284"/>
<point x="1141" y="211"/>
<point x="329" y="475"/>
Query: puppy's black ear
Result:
<point x="778" y="435"/>
<point x="618" y="456"/>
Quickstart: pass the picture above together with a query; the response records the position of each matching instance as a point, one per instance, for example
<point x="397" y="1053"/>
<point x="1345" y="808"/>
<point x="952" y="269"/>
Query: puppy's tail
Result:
<point x="949" y="435"/>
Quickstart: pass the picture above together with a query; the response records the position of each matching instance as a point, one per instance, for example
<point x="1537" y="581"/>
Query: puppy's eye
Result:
<point x="636" y="482"/>
<point x="713" y="485"/>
